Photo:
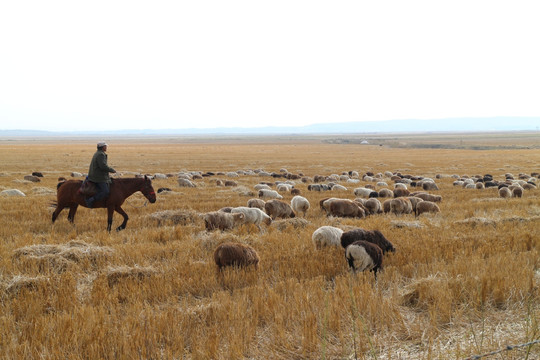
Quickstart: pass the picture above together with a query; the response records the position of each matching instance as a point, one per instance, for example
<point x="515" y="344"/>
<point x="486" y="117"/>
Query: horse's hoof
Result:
<point x="119" y="228"/>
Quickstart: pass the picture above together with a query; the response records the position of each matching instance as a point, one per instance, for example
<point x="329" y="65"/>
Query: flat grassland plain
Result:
<point x="462" y="282"/>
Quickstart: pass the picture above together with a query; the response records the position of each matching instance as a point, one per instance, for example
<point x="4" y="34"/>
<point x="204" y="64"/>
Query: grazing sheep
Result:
<point x="517" y="192"/>
<point x="529" y="186"/>
<point x="400" y="206"/>
<point x="327" y="236"/>
<point x="220" y="182"/>
<point x="338" y="187"/>
<point x="300" y="204"/>
<point x="253" y="216"/>
<point x="319" y="178"/>
<point x="162" y="189"/>
<point x="284" y="187"/>
<point x="230" y="183"/>
<point x="256" y="203"/>
<point x="269" y="194"/>
<point x="372" y="236"/>
<point x="480" y="185"/>
<point x="505" y="192"/>
<point x="32" y="178"/>
<point x="295" y="191"/>
<point x="12" y="192"/>
<point x="400" y="186"/>
<point x="426" y="207"/>
<point x="429" y="197"/>
<point x="414" y="202"/>
<point x="363" y="255"/>
<point x="386" y="205"/>
<point x="363" y="192"/>
<point x="262" y="186"/>
<point x="235" y="254"/>
<point x="386" y="193"/>
<point x="37" y="173"/>
<point x="318" y="187"/>
<point x="222" y="220"/>
<point x="185" y="183"/>
<point x="373" y="206"/>
<point x="278" y="209"/>
<point x="344" y="208"/>
<point x="399" y="192"/>
<point x="429" y="185"/>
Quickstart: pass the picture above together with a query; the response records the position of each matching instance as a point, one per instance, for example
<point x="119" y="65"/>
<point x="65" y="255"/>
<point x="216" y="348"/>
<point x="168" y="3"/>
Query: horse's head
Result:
<point x="148" y="190"/>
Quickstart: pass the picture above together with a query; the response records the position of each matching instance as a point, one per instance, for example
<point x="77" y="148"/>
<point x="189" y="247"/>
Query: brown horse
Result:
<point x="68" y="195"/>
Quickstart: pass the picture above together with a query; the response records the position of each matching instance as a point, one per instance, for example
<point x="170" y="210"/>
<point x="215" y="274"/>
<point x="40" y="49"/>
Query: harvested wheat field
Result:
<point x="462" y="282"/>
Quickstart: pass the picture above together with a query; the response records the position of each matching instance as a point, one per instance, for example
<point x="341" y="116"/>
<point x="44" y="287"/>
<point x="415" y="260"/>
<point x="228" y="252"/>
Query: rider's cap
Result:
<point x="101" y="144"/>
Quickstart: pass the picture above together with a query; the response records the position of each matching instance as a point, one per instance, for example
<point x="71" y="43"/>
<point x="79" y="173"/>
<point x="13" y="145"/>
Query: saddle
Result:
<point x="88" y="188"/>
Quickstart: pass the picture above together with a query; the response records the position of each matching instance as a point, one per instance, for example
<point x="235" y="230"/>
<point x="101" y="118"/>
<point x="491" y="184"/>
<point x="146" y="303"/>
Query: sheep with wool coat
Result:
<point x="362" y="255"/>
<point x="222" y="220"/>
<point x="269" y="194"/>
<point x="256" y="203"/>
<point x="401" y="205"/>
<point x="373" y="206"/>
<point x="399" y="192"/>
<point x="300" y="204"/>
<point x="235" y="254"/>
<point x="426" y="207"/>
<point x="429" y="197"/>
<point x="345" y="208"/>
<point x="278" y="209"/>
<point x="363" y="192"/>
<point x="373" y="236"/>
<point x="386" y="193"/>
<point x="327" y="236"/>
<point x="252" y="215"/>
<point x="505" y="192"/>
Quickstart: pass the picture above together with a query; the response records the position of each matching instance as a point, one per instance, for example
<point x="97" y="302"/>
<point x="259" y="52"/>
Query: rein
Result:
<point x="137" y="207"/>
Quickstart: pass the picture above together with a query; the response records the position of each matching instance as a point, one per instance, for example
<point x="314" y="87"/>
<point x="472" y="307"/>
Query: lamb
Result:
<point x="429" y="197"/>
<point x="344" y="208"/>
<point x="269" y="194"/>
<point x="400" y="206"/>
<point x="256" y="203"/>
<point x="426" y="207"/>
<point x="327" y="236"/>
<point x="252" y="215"/>
<point x="300" y="204"/>
<point x="222" y="220"/>
<point x="372" y="236"/>
<point x="235" y="254"/>
<point x="373" y="206"/>
<point x="363" y="255"/>
<point x="278" y="209"/>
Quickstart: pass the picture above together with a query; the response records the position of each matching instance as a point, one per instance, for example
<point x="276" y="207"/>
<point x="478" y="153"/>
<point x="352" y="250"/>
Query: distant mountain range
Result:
<point x="358" y="127"/>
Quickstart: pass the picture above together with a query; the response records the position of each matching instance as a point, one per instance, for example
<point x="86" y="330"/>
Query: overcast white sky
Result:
<point x="100" y="65"/>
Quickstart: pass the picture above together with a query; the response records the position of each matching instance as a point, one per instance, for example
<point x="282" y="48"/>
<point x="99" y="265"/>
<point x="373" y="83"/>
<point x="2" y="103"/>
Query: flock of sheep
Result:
<point x="364" y="249"/>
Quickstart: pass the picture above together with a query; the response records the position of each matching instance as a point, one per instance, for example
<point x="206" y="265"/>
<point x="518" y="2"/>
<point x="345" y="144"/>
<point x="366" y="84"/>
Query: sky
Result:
<point x="109" y="65"/>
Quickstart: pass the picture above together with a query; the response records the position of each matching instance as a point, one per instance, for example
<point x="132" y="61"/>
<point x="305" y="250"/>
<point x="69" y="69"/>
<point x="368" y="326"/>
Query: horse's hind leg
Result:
<point x="56" y="212"/>
<point x="126" y="218"/>
<point x="72" y="212"/>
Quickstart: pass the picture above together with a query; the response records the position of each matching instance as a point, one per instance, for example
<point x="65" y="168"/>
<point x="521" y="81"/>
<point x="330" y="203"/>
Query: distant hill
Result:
<point x="359" y="127"/>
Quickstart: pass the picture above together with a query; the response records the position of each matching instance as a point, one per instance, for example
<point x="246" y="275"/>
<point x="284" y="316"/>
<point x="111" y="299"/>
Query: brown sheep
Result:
<point x="414" y="202"/>
<point x="373" y="236"/>
<point x="362" y="255"/>
<point x="222" y="220"/>
<point x="256" y="203"/>
<point x="278" y="209"/>
<point x="295" y="191"/>
<point x="386" y="205"/>
<point x="386" y="193"/>
<point x="373" y="206"/>
<point x="400" y="206"/>
<point x="427" y="207"/>
<point x="399" y="192"/>
<point x="429" y="197"/>
<point x="345" y="208"/>
<point x="235" y="254"/>
<point x="517" y="192"/>
<point x="505" y="192"/>
<point x="230" y="183"/>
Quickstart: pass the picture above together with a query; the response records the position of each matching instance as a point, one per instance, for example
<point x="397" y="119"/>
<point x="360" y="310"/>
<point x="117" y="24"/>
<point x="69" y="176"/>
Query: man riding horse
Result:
<point x="98" y="173"/>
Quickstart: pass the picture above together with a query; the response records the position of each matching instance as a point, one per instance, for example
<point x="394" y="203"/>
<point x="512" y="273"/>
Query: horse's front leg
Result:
<point x="110" y="212"/>
<point x="123" y="213"/>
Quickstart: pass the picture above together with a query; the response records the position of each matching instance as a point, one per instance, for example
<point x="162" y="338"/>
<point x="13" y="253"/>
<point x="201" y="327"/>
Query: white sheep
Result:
<point x="253" y="215"/>
<point x="338" y="187"/>
<point x="505" y="192"/>
<point x="300" y="204"/>
<point x="12" y="192"/>
<point x="362" y="191"/>
<point x="262" y="186"/>
<point x="327" y="236"/>
<point x="269" y="194"/>
<point x="185" y="183"/>
<point x="283" y="187"/>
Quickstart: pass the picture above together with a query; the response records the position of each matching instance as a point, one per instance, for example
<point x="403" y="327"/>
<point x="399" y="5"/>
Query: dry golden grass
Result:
<point x="462" y="282"/>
